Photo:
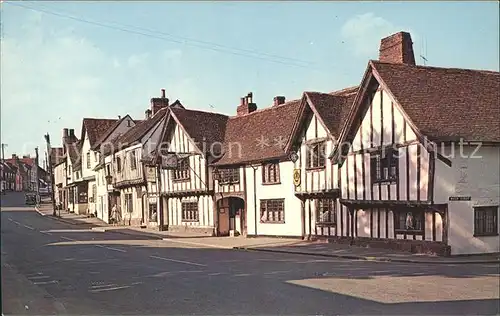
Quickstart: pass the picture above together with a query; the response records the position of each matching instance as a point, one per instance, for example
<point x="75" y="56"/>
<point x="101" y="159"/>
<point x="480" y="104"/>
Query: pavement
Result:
<point x="277" y="245"/>
<point x="52" y="267"/>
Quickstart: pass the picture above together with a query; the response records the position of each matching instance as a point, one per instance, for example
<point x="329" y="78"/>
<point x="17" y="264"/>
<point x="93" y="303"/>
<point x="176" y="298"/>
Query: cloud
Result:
<point x="363" y="33"/>
<point x="50" y="72"/>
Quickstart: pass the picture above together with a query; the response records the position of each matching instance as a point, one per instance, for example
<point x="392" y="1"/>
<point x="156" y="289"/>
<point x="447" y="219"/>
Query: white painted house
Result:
<point x="400" y="182"/>
<point x="254" y="190"/>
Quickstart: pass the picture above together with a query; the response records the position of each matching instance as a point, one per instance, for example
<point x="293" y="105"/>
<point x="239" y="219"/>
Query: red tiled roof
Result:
<point x="446" y="102"/>
<point x="204" y="128"/>
<point x="96" y="128"/>
<point x="56" y="155"/>
<point x="261" y="135"/>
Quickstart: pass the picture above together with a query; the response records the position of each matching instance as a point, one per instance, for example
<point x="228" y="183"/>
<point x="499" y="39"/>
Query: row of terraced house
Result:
<point x="409" y="159"/>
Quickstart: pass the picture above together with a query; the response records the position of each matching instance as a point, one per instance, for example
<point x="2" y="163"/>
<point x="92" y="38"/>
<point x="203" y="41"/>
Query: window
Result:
<point x="315" y="155"/>
<point x="486" y="221"/>
<point x="189" y="211"/>
<point x="409" y="222"/>
<point x="118" y="162"/>
<point x="133" y="161"/>
<point x="95" y="156"/>
<point x="228" y="176"/>
<point x="272" y="211"/>
<point x="129" y="206"/>
<point x="88" y="160"/>
<point x="326" y="211"/>
<point x="182" y="170"/>
<point x="271" y="173"/>
<point x="153" y="213"/>
<point x="94" y="192"/>
<point x="108" y="170"/>
<point x="383" y="165"/>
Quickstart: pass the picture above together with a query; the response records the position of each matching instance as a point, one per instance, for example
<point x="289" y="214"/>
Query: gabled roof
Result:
<point x="440" y="103"/>
<point x="96" y="128"/>
<point x="261" y="135"/>
<point x="56" y="155"/>
<point x="204" y="128"/>
<point x="330" y="108"/>
<point x="446" y="102"/>
<point x="73" y="150"/>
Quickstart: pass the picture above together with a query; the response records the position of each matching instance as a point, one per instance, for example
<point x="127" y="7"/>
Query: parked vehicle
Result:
<point x="30" y="198"/>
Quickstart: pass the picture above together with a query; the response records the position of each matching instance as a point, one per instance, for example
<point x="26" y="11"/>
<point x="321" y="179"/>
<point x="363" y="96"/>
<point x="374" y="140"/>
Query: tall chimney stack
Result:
<point x="246" y="105"/>
<point x="397" y="49"/>
<point x="158" y="103"/>
<point x="278" y="100"/>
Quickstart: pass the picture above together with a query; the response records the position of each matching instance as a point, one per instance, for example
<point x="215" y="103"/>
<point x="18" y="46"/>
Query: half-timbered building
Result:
<point x="254" y="193"/>
<point x="315" y="130"/>
<point x="409" y="172"/>
<point x="190" y="143"/>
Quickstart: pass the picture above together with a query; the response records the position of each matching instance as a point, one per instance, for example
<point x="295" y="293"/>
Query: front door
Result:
<point x="231" y="216"/>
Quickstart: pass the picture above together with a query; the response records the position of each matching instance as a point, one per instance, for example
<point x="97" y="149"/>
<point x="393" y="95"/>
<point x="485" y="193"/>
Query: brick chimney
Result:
<point x="246" y="105"/>
<point x="158" y="103"/>
<point x="65" y="135"/>
<point x="147" y="114"/>
<point x="278" y="100"/>
<point x="72" y="133"/>
<point x="397" y="48"/>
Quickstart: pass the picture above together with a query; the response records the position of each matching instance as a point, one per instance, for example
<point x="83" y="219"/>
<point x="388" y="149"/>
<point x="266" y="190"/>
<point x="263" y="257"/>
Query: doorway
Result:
<point x="231" y="216"/>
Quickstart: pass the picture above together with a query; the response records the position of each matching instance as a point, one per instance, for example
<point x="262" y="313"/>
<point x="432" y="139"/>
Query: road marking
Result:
<point x="44" y="232"/>
<point x="276" y="272"/>
<point x="45" y="282"/>
<point x="110" y="289"/>
<point x="10" y="219"/>
<point x="17" y="223"/>
<point x="103" y="285"/>
<point x="100" y="246"/>
<point x="217" y="273"/>
<point x="34" y="274"/>
<point x="115" y="249"/>
<point x="179" y="261"/>
<point x="241" y="275"/>
<point x="67" y="238"/>
<point x="38" y="277"/>
<point x="29" y="227"/>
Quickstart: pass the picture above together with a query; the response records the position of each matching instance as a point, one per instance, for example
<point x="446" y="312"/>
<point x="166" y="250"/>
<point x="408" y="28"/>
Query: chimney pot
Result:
<point x="147" y="114"/>
<point x="397" y="48"/>
<point x="246" y="106"/>
<point x="243" y="101"/>
<point x="163" y="93"/>
<point x="72" y="133"/>
<point x="279" y="100"/>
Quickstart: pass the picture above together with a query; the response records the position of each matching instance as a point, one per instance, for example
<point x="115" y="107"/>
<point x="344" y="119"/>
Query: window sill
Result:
<point x="190" y="220"/>
<point x="326" y="224"/>
<point x="392" y="181"/>
<point x="271" y="183"/>
<point x="312" y="169"/>
<point x="266" y="222"/>
<point x="408" y="232"/>
<point x="486" y="235"/>
<point x="228" y="183"/>
<point x="181" y="180"/>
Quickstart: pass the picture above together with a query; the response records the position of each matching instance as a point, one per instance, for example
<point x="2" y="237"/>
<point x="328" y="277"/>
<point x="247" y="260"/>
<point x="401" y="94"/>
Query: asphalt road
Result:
<point x="53" y="268"/>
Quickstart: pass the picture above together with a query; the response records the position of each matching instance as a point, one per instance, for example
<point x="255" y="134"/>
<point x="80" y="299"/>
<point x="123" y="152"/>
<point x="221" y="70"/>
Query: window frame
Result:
<point x="480" y="222"/>
<point x="190" y="211"/>
<point x="133" y="160"/>
<point x="398" y="220"/>
<point x="382" y="161"/>
<point x="265" y="204"/>
<point x="316" y="155"/>
<point x="229" y="176"/>
<point x="268" y="169"/>
<point x="129" y="202"/>
<point x="182" y="172"/>
<point x="88" y="160"/>
<point x="331" y="208"/>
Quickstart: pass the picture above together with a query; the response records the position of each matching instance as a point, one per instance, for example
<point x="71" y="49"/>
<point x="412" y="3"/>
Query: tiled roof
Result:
<point x="56" y="155"/>
<point x="134" y="134"/>
<point x="446" y="102"/>
<point x="333" y="107"/>
<point x="261" y="135"/>
<point x="204" y="128"/>
<point x="74" y="152"/>
<point x="96" y="128"/>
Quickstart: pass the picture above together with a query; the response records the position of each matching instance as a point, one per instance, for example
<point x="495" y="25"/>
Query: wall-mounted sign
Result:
<point x="150" y="174"/>
<point x="460" y="198"/>
<point x="296" y="177"/>
<point x="169" y="161"/>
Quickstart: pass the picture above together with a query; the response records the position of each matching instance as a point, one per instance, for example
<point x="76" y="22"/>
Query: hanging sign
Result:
<point x="296" y="177"/>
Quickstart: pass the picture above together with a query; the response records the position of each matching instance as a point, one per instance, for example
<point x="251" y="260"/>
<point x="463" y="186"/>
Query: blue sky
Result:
<point x="57" y="70"/>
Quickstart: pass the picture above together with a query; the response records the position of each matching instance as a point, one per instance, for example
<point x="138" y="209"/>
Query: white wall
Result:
<point x="285" y="190"/>
<point x="474" y="174"/>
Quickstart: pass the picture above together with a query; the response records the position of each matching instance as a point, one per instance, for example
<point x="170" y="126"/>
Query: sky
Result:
<point x="61" y="62"/>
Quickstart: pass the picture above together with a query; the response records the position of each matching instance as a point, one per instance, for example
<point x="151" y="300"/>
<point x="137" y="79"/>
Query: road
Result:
<point x="52" y="268"/>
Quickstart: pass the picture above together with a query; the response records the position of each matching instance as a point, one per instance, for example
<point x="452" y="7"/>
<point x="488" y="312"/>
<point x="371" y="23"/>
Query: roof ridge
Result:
<point x="200" y="111"/>
<point x="484" y="71"/>
<point x="266" y="109"/>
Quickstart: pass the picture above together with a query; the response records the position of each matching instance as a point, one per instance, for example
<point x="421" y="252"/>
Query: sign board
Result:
<point x="151" y="174"/>
<point x="296" y="177"/>
<point x="169" y="161"/>
<point x="460" y="198"/>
